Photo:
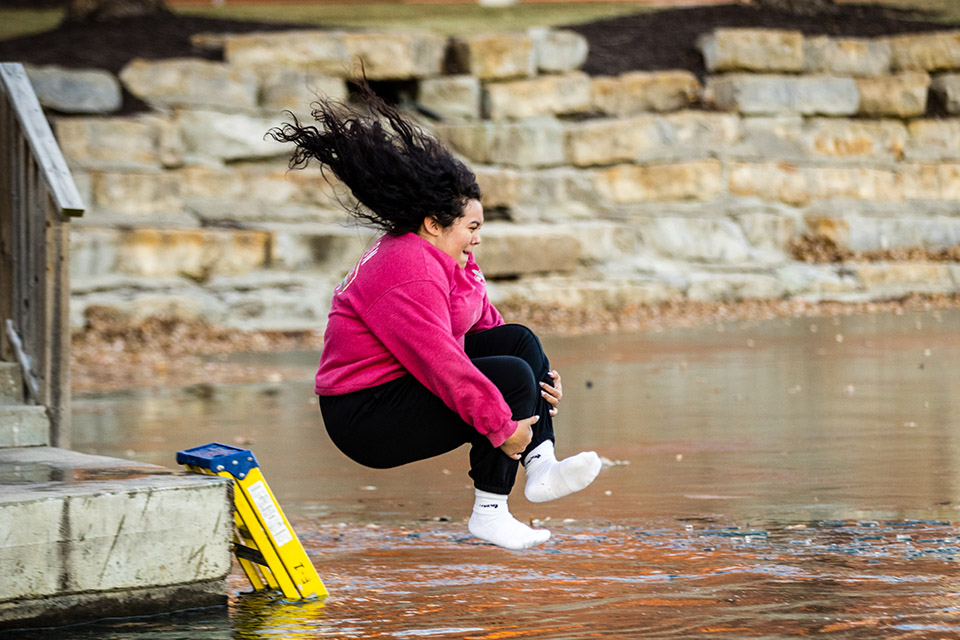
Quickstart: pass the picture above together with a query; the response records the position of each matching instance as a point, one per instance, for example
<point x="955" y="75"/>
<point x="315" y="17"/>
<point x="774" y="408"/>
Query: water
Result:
<point x="764" y="480"/>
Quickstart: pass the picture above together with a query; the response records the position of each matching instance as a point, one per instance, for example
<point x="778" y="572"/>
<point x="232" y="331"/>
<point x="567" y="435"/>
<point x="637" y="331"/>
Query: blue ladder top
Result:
<point x="219" y="457"/>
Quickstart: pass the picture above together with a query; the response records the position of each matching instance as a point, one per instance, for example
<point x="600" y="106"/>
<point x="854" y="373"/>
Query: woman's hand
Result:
<point x="552" y="394"/>
<point x="517" y="443"/>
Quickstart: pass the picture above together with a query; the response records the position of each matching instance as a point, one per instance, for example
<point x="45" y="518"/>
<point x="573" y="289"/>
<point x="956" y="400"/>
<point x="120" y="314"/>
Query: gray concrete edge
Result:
<point x="70" y="609"/>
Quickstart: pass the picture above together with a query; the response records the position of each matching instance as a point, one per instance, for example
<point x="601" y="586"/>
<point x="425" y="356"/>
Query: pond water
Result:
<point x="763" y="480"/>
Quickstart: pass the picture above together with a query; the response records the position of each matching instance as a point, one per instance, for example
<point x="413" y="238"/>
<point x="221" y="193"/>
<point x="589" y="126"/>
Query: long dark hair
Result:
<point x="398" y="173"/>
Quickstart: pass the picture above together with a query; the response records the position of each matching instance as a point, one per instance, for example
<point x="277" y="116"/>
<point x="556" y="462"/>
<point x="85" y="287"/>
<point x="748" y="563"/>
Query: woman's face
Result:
<point x="461" y="238"/>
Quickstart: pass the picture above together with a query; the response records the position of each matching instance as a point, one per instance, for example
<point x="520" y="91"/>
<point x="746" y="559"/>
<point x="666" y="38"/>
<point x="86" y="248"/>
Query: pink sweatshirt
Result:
<point x="405" y="307"/>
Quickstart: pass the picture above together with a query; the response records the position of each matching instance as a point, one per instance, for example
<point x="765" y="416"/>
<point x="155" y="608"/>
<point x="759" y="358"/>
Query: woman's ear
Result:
<point x="432" y="226"/>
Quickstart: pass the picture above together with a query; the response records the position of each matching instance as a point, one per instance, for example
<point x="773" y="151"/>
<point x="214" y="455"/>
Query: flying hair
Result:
<point x="398" y="173"/>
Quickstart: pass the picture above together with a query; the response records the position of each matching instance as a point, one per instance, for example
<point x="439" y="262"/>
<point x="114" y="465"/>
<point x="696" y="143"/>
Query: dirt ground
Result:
<point x="113" y="353"/>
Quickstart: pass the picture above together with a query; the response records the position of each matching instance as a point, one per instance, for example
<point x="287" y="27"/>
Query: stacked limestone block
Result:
<point x="606" y="191"/>
<point x="193" y="211"/>
<point x="707" y="188"/>
<point x="837" y="143"/>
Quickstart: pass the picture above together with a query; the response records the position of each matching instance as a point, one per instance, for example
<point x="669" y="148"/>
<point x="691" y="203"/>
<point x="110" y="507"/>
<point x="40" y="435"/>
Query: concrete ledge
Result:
<point x="85" y="537"/>
<point x="24" y="426"/>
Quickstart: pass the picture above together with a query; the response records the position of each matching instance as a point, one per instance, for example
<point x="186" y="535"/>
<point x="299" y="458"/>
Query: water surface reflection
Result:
<point x="766" y="480"/>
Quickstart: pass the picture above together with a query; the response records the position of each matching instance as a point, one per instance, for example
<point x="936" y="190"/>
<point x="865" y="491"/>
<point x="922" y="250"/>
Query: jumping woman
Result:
<point x="416" y="361"/>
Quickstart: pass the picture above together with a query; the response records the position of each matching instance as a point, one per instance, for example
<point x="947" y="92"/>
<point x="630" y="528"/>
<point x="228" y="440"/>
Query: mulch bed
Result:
<point x="111" y="45"/>
<point x="647" y="41"/>
<point x="667" y="39"/>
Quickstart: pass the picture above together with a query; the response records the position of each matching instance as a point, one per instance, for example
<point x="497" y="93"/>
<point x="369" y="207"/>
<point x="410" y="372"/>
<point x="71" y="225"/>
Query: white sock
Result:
<point x="491" y="521"/>
<point x="549" y="479"/>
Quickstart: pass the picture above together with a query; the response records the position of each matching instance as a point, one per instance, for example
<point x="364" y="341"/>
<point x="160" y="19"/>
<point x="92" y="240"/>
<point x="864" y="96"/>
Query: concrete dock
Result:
<point x="84" y="537"/>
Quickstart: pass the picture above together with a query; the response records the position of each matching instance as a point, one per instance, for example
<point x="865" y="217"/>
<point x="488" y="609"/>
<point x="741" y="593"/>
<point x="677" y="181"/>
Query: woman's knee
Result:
<point x="515" y="379"/>
<point x="530" y="349"/>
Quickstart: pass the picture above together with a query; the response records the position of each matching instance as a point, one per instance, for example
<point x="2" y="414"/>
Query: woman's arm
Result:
<point x="413" y="322"/>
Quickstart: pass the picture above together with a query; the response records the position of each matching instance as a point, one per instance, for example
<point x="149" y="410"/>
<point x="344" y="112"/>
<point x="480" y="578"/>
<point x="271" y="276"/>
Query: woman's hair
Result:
<point x="398" y="173"/>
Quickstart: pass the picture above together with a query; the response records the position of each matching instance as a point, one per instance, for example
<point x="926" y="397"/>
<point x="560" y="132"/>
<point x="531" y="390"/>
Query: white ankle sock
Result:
<point x="549" y="479"/>
<point x="491" y="521"/>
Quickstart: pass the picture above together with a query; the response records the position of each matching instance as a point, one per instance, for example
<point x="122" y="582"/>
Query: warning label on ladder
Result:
<point x="271" y="515"/>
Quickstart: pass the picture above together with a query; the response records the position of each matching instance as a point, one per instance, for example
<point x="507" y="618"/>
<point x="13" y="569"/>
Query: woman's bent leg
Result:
<point x="519" y="341"/>
<point x="402" y="421"/>
<point x="547" y="478"/>
<point x="491" y="469"/>
<point x="392" y="424"/>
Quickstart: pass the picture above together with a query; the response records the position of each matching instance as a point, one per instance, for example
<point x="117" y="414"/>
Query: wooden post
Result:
<point x="58" y="298"/>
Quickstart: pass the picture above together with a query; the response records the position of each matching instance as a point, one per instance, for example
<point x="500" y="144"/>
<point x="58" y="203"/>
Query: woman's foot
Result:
<point x="491" y="521"/>
<point x="549" y="478"/>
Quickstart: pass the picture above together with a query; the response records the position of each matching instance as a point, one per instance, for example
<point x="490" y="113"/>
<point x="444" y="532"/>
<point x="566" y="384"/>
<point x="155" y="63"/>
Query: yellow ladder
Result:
<point x="265" y="544"/>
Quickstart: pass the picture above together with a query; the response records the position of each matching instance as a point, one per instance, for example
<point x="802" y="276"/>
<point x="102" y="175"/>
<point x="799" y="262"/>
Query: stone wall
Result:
<point x="604" y="191"/>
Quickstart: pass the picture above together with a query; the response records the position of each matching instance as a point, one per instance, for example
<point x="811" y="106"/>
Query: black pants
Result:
<point x="402" y="421"/>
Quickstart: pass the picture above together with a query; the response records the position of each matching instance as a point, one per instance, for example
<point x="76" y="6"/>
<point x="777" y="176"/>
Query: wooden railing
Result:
<point x="37" y="200"/>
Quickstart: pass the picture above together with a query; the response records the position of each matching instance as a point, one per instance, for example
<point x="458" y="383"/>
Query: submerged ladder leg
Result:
<point x="265" y="544"/>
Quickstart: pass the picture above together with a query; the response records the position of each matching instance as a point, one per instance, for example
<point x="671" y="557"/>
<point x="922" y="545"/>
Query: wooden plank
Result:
<point x="14" y="81"/>
<point x="6" y="225"/>
<point x="32" y="321"/>
<point x="21" y="234"/>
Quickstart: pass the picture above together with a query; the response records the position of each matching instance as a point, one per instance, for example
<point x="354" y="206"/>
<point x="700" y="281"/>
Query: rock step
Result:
<point x="24" y="426"/>
<point x="97" y="536"/>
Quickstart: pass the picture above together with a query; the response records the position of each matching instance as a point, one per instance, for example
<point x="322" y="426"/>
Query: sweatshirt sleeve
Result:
<point x="412" y="321"/>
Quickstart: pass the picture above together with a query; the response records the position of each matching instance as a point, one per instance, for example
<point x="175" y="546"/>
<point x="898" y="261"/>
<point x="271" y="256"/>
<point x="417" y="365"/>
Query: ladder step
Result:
<point x="249" y="553"/>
